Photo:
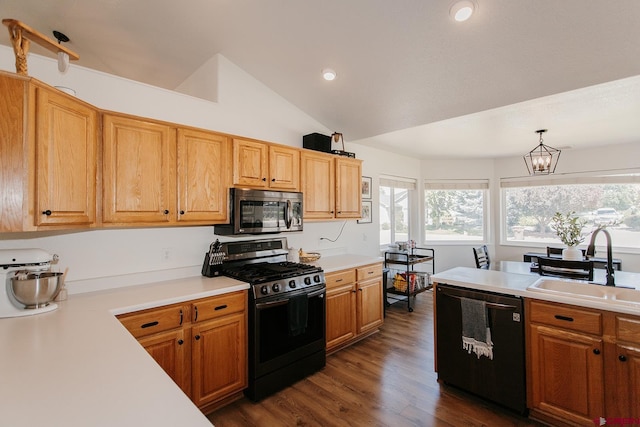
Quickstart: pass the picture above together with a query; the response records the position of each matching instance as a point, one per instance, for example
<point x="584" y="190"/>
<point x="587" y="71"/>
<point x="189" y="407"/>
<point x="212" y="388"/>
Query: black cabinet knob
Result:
<point x="166" y="211"/>
<point x="197" y="337"/>
<point x="622" y="358"/>
<point x="264" y="179"/>
<point x="180" y="342"/>
<point x="47" y="212"/>
<point x="181" y="212"/>
<point x="596" y="351"/>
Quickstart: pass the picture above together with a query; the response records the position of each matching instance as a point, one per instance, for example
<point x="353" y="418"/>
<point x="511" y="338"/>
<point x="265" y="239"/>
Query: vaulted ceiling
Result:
<point x="410" y="78"/>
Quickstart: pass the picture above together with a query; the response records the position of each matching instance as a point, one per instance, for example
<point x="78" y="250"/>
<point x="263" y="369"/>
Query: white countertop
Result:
<point x="517" y="283"/>
<point x="78" y="366"/>
<point x="341" y="262"/>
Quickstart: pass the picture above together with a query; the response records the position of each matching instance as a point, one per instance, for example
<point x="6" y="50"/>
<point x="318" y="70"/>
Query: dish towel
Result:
<point x="476" y="334"/>
<point x="298" y="313"/>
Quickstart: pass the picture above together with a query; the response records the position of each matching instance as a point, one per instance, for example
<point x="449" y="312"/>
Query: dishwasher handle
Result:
<point x="494" y="305"/>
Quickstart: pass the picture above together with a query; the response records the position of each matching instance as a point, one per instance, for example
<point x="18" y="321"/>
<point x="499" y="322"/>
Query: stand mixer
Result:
<point x="14" y="262"/>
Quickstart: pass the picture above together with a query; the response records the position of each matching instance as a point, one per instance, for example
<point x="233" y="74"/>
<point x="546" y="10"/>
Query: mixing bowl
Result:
<point x="36" y="290"/>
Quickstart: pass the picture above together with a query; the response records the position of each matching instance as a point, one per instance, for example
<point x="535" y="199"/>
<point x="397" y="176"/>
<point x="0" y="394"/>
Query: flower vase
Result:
<point x="571" y="253"/>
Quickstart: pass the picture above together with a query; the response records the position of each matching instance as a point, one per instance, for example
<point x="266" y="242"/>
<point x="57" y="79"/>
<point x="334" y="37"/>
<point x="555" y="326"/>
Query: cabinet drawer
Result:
<point x="567" y="317"/>
<point x="152" y="321"/>
<point x="628" y="329"/>
<point x="218" y="306"/>
<point x="369" y="272"/>
<point x="340" y="278"/>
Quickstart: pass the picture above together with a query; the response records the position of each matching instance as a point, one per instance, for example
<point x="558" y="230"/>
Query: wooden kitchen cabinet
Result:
<point x="48" y="145"/>
<point x="201" y="344"/>
<point x="331" y="186"/>
<point x="566" y="363"/>
<point x="354" y="305"/>
<point x="154" y="173"/>
<point x="623" y="359"/>
<point x="261" y="165"/>
<point x="348" y="187"/>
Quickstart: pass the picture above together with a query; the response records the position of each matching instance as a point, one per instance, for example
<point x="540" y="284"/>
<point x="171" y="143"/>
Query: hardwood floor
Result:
<point x="384" y="380"/>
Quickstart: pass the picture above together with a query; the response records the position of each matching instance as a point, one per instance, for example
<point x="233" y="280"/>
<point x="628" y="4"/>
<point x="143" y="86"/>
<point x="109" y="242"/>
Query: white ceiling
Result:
<point x="410" y="79"/>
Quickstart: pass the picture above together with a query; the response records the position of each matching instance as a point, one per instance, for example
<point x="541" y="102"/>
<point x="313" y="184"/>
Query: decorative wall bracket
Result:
<point x="21" y="35"/>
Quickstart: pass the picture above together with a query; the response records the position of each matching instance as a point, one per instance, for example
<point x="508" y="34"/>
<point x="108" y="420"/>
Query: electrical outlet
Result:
<point x="165" y="254"/>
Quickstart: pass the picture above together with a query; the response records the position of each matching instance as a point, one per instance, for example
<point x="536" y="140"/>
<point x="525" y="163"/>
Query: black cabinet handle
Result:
<point x="195" y="309"/>
<point x="565" y="318"/>
<point x="622" y="358"/>
<point x="181" y="316"/>
<point x="220" y="307"/>
<point x="47" y="212"/>
<point x="180" y="342"/>
<point x="150" y="324"/>
<point x="197" y="337"/>
<point x="596" y="351"/>
<point x="166" y="211"/>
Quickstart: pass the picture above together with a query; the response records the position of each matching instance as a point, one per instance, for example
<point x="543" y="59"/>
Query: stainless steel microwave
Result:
<point x="262" y="211"/>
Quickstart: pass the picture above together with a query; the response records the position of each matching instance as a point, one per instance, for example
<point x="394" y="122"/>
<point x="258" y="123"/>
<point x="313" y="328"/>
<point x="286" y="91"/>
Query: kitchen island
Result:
<point x="580" y="343"/>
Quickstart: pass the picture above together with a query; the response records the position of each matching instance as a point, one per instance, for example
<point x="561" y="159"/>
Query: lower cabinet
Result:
<point x="200" y="344"/>
<point x="584" y="364"/>
<point x="354" y="305"/>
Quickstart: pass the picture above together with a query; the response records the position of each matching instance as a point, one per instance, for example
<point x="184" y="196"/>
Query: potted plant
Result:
<point x="569" y="229"/>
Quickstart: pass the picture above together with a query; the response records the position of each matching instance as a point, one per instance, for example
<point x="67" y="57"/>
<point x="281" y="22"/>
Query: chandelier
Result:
<point x="543" y="159"/>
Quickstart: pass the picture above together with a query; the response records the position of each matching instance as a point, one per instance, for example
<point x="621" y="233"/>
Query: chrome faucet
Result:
<point x="591" y="250"/>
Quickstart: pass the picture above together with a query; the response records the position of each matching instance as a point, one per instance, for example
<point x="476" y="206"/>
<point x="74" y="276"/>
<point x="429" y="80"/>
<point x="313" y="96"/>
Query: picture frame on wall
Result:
<point x="366" y="187"/>
<point x="366" y="212"/>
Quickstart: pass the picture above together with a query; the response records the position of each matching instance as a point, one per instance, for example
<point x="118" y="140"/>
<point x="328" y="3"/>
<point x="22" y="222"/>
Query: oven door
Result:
<point x="272" y="345"/>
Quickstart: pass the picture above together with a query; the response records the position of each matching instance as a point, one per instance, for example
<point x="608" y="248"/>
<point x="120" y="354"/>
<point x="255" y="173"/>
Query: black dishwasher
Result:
<point x="501" y="378"/>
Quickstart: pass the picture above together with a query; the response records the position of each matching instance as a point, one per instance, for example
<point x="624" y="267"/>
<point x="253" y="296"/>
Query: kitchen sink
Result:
<point x="578" y="289"/>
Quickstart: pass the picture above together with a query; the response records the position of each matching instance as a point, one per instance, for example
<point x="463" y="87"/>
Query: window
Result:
<point x="613" y="201"/>
<point x="455" y="210"/>
<point x="395" y="202"/>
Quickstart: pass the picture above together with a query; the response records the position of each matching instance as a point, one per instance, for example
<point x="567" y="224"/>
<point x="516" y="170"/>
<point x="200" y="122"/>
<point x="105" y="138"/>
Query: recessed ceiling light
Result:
<point x="328" y="74"/>
<point x="462" y="10"/>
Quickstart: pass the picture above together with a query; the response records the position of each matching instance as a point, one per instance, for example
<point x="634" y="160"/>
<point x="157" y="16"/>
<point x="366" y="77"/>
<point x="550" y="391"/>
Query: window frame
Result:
<point x="625" y="176"/>
<point x="459" y="184"/>
<point x="395" y="182"/>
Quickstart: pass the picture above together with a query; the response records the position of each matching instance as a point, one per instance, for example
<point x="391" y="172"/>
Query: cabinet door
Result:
<point x="219" y="358"/>
<point x="139" y="171"/>
<point x="369" y="306"/>
<point x="566" y="374"/>
<point x="284" y="168"/>
<point x="626" y="394"/>
<point x="348" y="183"/>
<point x="318" y="185"/>
<point x="250" y="163"/>
<point x="169" y="349"/>
<point x="65" y="166"/>
<point x="341" y="320"/>
<point x="203" y="176"/>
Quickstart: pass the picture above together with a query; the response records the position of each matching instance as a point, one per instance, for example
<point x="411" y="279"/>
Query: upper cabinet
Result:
<point x="154" y="173"/>
<point x="267" y="166"/>
<point x="48" y="146"/>
<point x="331" y="186"/>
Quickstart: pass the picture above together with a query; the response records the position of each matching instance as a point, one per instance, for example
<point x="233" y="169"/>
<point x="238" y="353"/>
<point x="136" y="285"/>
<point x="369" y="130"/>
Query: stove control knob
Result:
<point x="292" y="284"/>
<point x="307" y="280"/>
<point x="276" y="287"/>
<point x="265" y="290"/>
<point x="316" y="278"/>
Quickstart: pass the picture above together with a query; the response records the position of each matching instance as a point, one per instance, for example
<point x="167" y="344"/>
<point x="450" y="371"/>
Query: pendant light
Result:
<point x="543" y="159"/>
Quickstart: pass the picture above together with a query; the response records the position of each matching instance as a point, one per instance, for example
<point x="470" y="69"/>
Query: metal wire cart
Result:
<point x="407" y="277"/>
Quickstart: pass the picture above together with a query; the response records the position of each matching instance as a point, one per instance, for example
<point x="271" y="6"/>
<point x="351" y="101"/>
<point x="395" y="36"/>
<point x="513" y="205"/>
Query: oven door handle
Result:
<point x="261" y="305"/>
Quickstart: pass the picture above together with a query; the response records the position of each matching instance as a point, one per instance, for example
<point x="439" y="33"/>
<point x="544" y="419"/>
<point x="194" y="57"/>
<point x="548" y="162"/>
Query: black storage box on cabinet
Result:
<point x="317" y="141"/>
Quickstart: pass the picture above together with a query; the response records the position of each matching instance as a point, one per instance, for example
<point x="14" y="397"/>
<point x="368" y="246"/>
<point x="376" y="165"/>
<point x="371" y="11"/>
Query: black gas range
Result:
<point x="286" y="313"/>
